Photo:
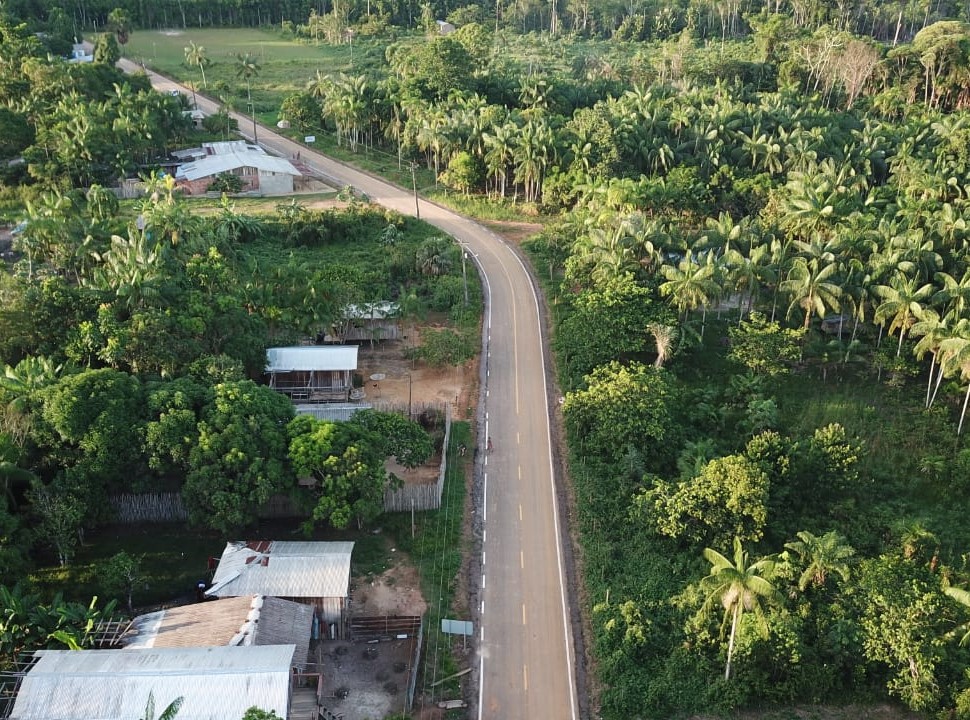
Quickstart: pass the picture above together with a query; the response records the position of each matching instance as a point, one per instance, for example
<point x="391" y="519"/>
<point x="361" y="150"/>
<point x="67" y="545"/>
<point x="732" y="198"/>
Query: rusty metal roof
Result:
<point x="246" y="620"/>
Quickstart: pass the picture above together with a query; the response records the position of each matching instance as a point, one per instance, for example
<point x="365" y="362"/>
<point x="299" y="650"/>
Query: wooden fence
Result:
<point x="422" y="497"/>
<point x="132" y="509"/>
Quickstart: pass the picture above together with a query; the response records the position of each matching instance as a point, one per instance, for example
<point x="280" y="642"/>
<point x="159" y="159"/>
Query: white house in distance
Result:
<point x="314" y="373"/>
<point x="79" y="54"/>
<point x="259" y="171"/>
<point x="314" y="573"/>
<point x="216" y="683"/>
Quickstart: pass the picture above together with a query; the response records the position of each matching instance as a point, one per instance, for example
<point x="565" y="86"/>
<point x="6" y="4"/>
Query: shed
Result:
<point x="444" y="27"/>
<point x="312" y="373"/>
<point x="116" y="684"/>
<point x="367" y="322"/>
<point x="245" y="620"/>
<point x="314" y="573"/>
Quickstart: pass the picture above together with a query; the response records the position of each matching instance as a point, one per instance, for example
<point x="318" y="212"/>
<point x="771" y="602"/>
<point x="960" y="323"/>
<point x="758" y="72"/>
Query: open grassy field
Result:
<point x="285" y="66"/>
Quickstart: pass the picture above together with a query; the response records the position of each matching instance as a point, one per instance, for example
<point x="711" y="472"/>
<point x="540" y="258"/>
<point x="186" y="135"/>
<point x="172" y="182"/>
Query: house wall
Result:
<point x="250" y="181"/>
<point x="275" y="183"/>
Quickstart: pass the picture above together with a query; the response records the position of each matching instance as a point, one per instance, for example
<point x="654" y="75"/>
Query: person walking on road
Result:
<point x="488" y="445"/>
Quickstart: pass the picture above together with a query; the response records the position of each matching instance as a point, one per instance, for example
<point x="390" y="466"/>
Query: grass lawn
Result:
<point x="175" y="559"/>
<point x="285" y="66"/>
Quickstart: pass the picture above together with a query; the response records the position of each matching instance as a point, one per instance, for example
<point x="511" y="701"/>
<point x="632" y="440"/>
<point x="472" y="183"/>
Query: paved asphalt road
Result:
<point x="526" y="657"/>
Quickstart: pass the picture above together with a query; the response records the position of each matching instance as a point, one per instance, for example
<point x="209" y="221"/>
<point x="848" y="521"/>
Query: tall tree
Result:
<point x="247" y="68"/>
<point x="739" y="586"/>
<point x="902" y="303"/>
<point x="813" y="287"/>
<point x="196" y="55"/>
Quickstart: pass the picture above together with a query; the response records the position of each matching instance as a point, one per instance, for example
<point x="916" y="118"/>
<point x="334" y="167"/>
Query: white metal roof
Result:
<point x="311" y="357"/>
<point x="233" y="157"/>
<point x="115" y="684"/>
<point x="284" y="569"/>
<point x="221" y="147"/>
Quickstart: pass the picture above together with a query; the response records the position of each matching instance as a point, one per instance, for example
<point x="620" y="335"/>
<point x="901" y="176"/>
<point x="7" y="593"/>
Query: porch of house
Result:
<point x="314" y="385"/>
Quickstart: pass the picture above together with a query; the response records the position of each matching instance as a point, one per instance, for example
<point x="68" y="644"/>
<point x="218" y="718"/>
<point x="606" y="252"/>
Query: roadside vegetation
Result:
<point x="757" y="256"/>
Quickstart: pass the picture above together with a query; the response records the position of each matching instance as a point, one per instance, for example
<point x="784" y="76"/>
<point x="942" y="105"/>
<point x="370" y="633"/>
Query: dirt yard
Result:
<point x="405" y="381"/>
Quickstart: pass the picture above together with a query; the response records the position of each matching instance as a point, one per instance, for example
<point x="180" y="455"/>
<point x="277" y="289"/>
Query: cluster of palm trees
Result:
<point x="911" y="283"/>
<point x="85" y="140"/>
<point x="515" y="148"/>
<point x="740" y="584"/>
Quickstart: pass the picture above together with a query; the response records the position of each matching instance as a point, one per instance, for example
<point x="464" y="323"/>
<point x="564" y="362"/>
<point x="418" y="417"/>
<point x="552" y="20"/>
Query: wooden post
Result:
<point x="412" y="518"/>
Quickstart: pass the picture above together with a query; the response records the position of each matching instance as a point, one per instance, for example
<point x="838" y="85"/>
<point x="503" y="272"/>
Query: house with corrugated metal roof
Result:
<point x="314" y="573"/>
<point x="256" y="169"/>
<point x="216" y="683"/>
<point x="236" y="621"/>
<point x="312" y="373"/>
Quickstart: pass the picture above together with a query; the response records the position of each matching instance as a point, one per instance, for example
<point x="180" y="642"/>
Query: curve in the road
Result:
<point x="526" y="565"/>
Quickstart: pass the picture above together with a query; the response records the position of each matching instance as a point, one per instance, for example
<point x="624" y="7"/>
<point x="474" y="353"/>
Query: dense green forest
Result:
<point x="757" y="255"/>
<point x="886" y="20"/>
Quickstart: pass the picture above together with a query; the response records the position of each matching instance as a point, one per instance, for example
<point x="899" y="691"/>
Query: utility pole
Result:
<point x="414" y="184"/>
<point x="464" y="276"/>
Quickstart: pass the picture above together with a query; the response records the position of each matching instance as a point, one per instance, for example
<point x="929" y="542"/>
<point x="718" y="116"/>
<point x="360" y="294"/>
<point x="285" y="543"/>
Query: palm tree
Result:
<point x="433" y="256"/>
<point x="132" y="268"/>
<point x="903" y="302"/>
<point x="955" y="293"/>
<point x="811" y="286"/>
<point x="739" y="587"/>
<point x="664" y="337"/>
<point x="689" y="285"/>
<point x="821" y="556"/>
<point x="532" y="154"/>
<point x="247" y="68"/>
<point x="169" y="713"/>
<point x="196" y="55"/>
<point x="963" y="597"/>
<point x="955" y="358"/>
<point x="499" y="153"/>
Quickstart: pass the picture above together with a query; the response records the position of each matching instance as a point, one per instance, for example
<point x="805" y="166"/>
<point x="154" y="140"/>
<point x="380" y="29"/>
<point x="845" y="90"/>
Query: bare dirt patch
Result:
<point x="396" y="591"/>
<point x="514" y="232"/>
<point x="365" y="681"/>
<point x="422" y="385"/>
